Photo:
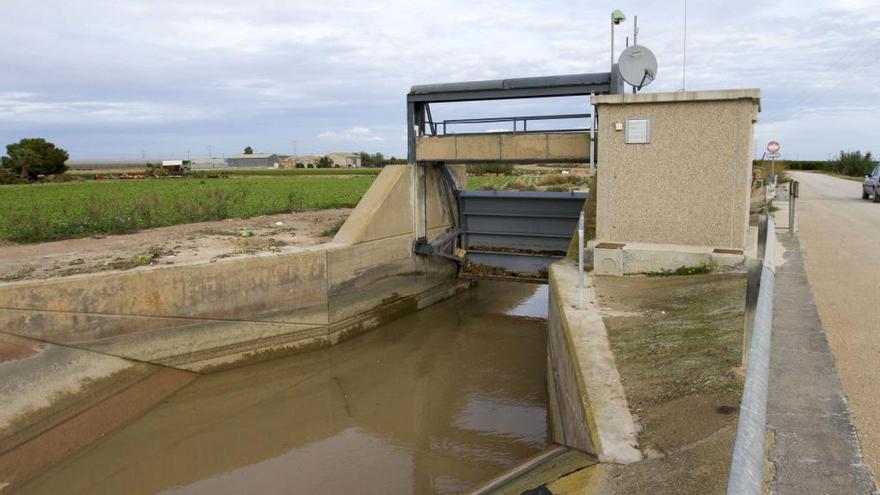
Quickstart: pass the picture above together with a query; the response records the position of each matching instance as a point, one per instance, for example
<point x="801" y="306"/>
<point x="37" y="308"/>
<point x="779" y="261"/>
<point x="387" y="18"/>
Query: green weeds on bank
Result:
<point x="44" y="212"/>
<point x="683" y="270"/>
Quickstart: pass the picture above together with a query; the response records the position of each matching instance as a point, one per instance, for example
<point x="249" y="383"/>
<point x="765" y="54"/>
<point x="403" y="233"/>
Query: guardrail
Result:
<point x="524" y="128"/>
<point x="746" y="476"/>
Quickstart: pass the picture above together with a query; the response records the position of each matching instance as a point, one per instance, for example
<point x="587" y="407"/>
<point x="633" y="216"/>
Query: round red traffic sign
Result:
<point x="773" y="147"/>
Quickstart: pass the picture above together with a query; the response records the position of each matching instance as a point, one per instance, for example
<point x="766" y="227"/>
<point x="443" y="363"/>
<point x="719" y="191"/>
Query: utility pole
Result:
<point x="684" y="47"/>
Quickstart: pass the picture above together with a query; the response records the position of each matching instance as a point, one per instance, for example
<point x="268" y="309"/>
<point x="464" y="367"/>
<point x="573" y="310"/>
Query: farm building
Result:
<point x="256" y="160"/>
<point x="308" y="161"/>
<point x="345" y="160"/>
<point x="208" y="163"/>
<point x="340" y="160"/>
<point x="175" y="166"/>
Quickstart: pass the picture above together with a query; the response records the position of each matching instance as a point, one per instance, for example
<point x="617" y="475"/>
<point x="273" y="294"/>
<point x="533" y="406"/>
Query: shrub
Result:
<point x="853" y="163"/>
<point x="558" y="179"/>
<point x="766" y="168"/>
<point x="820" y="165"/>
<point x="490" y="168"/>
<point x="518" y="185"/>
<point x="7" y="177"/>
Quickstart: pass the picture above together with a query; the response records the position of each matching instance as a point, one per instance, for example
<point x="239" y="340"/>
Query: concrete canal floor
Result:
<point x="435" y="402"/>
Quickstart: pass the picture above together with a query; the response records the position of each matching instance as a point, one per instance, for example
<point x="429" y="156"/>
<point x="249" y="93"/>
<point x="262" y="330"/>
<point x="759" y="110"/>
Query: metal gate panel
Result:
<point x="518" y="233"/>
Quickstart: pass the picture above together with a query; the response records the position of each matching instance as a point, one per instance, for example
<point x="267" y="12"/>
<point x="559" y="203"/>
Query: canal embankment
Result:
<point x="206" y="316"/>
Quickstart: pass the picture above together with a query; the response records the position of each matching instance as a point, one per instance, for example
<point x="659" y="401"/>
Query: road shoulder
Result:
<point x="815" y="448"/>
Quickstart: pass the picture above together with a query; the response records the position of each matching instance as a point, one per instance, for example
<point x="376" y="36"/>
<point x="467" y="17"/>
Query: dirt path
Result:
<point x="840" y="235"/>
<point x="169" y="245"/>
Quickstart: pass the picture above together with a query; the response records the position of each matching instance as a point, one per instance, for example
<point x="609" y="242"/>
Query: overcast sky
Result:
<point x="171" y="77"/>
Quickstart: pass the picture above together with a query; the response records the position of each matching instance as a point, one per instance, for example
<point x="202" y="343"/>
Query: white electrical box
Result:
<point x="638" y="131"/>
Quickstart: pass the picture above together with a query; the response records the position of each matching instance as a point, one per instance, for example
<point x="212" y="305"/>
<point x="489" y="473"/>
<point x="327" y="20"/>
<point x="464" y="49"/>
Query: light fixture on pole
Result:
<point x="616" y="18"/>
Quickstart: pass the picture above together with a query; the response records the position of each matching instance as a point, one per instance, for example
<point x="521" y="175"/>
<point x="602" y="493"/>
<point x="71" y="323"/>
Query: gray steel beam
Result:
<point x="526" y="87"/>
<point x="411" y="133"/>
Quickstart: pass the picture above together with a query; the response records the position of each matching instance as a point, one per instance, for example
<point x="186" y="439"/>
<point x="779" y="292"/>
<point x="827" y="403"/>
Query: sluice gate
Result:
<point x="516" y="234"/>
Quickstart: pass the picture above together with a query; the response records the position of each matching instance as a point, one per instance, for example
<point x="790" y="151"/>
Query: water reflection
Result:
<point x="433" y="403"/>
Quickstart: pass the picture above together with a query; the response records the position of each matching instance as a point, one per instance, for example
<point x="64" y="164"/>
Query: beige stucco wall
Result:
<point x="539" y="147"/>
<point x="690" y="184"/>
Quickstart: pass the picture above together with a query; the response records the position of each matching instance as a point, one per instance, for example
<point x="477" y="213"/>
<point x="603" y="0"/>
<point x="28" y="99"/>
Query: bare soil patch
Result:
<point x="178" y="244"/>
<point x="678" y="342"/>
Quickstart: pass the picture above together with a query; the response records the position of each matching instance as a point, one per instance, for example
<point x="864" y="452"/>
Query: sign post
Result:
<point x="773" y="153"/>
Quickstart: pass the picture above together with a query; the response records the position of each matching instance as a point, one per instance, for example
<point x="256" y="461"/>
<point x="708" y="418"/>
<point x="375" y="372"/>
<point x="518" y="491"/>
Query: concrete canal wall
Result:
<point x="588" y="407"/>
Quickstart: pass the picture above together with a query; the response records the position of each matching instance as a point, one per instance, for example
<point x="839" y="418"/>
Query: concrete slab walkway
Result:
<point x="816" y="450"/>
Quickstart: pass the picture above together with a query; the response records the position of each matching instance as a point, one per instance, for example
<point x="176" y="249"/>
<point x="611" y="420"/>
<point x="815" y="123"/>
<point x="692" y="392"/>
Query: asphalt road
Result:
<point x="840" y="237"/>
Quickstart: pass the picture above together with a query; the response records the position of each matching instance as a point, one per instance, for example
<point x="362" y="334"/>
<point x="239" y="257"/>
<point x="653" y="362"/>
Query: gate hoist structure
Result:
<point x="506" y="233"/>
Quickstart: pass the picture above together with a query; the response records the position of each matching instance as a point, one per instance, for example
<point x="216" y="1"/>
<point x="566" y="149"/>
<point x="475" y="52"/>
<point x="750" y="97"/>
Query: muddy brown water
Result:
<point x="436" y="402"/>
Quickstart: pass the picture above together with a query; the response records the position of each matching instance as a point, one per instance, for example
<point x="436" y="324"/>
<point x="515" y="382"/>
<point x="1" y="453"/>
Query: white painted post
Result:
<point x="592" y="138"/>
<point x="580" y="304"/>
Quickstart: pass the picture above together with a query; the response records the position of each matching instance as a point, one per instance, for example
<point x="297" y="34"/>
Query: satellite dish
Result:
<point x="637" y="66"/>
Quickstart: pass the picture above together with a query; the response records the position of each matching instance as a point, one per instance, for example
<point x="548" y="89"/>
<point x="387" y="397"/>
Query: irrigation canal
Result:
<point x="436" y="402"/>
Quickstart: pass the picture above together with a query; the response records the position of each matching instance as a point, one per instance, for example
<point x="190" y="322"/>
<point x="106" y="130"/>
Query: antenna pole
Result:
<point x="684" y="47"/>
<point x="635" y="30"/>
<point x="612" y="43"/>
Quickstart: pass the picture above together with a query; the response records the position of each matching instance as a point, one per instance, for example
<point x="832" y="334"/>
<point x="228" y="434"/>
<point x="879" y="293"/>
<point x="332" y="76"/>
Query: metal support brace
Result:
<point x="438" y="247"/>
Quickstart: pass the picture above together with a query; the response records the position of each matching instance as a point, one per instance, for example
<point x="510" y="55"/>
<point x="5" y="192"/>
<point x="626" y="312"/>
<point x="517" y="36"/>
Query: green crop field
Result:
<point x="244" y="172"/>
<point x="43" y="212"/>
<point x="304" y="171"/>
<point x="499" y="182"/>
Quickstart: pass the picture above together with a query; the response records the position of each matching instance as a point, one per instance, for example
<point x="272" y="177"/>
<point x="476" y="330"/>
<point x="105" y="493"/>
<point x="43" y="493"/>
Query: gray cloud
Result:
<point x="106" y="78"/>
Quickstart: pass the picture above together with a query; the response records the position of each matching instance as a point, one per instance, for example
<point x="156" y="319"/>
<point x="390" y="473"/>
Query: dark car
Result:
<point x="871" y="186"/>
